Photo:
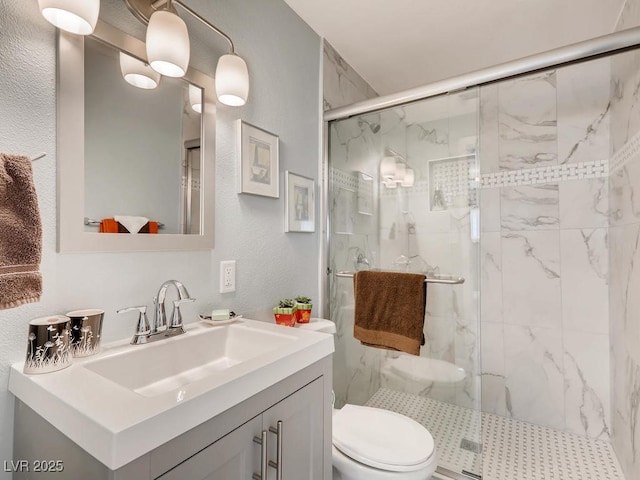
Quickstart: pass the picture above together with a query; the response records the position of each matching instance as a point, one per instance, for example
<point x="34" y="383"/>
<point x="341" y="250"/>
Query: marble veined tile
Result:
<point x="491" y="277"/>
<point x="625" y="106"/>
<point x="527" y="122"/>
<point x="531" y="278"/>
<point x="584" y="257"/>
<point x="530" y="207"/>
<point x="342" y="85"/>
<point x="626" y="413"/>
<point x="534" y="375"/>
<point x="625" y="283"/>
<point x="439" y="333"/>
<point x="584" y="111"/>
<point x="624" y="198"/>
<point x="427" y="141"/>
<point x="584" y="203"/>
<point x="488" y="144"/>
<point x="587" y="389"/>
<point x="493" y="369"/>
<point x="490" y="210"/>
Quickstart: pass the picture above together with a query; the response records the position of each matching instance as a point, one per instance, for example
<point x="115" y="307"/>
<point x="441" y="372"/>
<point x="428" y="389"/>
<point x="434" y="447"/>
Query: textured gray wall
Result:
<point x="283" y="55"/>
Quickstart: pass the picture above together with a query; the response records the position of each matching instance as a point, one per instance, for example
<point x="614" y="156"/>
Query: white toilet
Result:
<point x="376" y="444"/>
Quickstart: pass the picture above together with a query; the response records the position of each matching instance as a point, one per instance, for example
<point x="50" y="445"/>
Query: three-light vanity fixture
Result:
<point x="167" y="44"/>
<point x="394" y="171"/>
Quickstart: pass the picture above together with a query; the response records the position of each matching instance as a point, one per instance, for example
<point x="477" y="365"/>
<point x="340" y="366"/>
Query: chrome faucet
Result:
<point x="159" y="328"/>
<point x="174" y="327"/>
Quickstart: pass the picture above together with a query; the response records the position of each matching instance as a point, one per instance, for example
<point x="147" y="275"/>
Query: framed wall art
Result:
<point x="259" y="161"/>
<point x="300" y="203"/>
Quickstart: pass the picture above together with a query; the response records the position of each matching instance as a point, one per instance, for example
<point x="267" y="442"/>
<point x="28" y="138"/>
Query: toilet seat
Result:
<point x="382" y="439"/>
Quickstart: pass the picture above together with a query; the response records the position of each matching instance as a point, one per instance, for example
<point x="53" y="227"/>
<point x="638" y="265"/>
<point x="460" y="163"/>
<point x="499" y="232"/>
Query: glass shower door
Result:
<point x="403" y="197"/>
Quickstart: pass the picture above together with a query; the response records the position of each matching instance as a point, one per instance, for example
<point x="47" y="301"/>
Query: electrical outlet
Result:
<point x="228" y="276"/>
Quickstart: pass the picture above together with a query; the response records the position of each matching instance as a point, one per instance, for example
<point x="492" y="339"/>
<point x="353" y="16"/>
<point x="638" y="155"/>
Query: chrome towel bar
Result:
<point x="96" y="223"/>
<point x="443" y="279"/>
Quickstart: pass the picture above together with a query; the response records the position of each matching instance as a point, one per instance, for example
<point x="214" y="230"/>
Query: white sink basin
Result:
<point x="169" y="364"/>
<point x="130" y="399"/>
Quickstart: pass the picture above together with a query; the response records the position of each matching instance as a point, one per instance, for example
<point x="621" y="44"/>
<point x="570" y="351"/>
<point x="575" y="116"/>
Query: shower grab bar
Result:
<point x="443" y="279"/>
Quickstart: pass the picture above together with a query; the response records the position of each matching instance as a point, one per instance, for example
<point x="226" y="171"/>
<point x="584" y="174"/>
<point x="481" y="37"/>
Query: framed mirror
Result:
<point x="131" y="154"/>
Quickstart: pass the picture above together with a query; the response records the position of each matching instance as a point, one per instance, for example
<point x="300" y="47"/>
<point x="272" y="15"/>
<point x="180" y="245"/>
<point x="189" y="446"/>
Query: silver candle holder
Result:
<point x="86" y="330"/>
<point x="48" y="345"/>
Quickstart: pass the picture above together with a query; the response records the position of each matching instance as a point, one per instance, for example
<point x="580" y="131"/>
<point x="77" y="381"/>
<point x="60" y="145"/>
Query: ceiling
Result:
<point x="399" y="44"/>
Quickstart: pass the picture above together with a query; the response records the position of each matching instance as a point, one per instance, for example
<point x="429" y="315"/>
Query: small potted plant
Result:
<point x="285" y="312"/>
<point x="303" y="309"/>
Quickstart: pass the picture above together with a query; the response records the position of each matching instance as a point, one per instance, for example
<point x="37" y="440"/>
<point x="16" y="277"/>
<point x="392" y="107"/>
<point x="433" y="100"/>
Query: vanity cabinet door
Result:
<point x="302" y="417"/>
<point x="234" y="457"/>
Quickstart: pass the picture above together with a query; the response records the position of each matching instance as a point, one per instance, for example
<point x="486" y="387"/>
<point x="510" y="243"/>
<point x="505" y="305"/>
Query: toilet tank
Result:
<point x="319" y="325"/>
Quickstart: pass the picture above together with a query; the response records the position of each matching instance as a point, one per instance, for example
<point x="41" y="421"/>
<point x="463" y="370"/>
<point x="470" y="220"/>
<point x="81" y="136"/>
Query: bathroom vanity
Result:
<point x="258" y="405"/>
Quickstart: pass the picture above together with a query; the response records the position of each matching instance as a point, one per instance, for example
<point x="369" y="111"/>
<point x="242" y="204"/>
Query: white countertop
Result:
<point x="117" y="425"/>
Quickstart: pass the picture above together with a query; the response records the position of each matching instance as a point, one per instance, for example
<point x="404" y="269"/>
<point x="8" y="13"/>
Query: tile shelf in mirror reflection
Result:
<point x="94" y="103"/>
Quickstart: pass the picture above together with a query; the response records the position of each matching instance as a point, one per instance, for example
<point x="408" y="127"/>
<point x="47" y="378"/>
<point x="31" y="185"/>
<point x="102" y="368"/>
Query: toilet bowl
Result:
<point x="375" y="444"/>
<point x="417" y="375"/>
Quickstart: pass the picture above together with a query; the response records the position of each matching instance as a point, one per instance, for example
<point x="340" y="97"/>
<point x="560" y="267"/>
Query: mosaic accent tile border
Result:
<point x="549" y="174"/>
<point x="629" y="151"/>
<point x="511" y="449"/>
<point x="342" y="179"/>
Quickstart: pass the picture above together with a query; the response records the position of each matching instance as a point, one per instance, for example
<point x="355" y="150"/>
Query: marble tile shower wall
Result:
<point x="624" y="238"/>
<point x="355" y="149"/>
<point x="544" y="249"/>
<point x="438" y="241"/>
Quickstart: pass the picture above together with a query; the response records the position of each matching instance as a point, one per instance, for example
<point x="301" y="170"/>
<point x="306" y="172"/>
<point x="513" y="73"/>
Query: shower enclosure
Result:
<point x="514" y="195"/>
<point x="403" y="195"/>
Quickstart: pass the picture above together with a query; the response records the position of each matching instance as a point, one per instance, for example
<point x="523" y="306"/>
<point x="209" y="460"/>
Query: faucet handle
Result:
<point x="142" y="329"/>
<point x="176" y="314"/>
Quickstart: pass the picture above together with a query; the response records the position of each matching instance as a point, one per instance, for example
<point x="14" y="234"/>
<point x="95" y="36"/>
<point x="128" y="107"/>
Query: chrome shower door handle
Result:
<point x="262" y="441"/>
<point x="278" y="463"/>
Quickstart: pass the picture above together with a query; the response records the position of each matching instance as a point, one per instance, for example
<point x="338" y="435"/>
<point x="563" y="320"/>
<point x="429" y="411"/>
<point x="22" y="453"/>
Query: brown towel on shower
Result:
<point x="389" y="310"/>
<point x="20" y="233"/>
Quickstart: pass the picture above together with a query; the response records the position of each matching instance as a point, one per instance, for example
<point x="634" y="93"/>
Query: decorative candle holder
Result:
<point x="48" y="345"/>
<point x="86" y="329"/>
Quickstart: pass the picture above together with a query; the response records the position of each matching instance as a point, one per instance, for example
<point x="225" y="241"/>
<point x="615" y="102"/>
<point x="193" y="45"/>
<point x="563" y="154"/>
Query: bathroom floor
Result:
<point x="511" y="449"/>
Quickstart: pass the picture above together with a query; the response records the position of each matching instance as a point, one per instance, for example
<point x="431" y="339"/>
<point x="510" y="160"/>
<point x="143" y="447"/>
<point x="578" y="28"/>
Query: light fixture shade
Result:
<point x="232" y="80"/>
<point x="409" y="177"/>
<point x="75" y="16"/>
<point x="138" y="73"/>
<point x="195" y="98"/>
<point x="388" y="168"/>
<point x="401" y="170"/>
<point x="168" y="46"/>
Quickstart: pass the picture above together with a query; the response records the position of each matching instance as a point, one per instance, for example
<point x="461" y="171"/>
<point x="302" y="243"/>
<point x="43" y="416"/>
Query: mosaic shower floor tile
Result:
<point x="510" y="449"/>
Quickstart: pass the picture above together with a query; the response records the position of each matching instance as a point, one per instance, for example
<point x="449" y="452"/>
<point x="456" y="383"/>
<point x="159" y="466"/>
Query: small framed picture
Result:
<point x="300" y="203"/>
<point x="259" y="162"/>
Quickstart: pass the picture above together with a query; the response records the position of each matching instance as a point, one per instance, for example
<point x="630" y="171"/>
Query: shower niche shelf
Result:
<point x="452" y="182"/>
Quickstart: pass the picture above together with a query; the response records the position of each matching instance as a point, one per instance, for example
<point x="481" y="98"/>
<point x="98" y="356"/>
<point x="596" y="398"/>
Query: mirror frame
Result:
<point x="70" y="155"/>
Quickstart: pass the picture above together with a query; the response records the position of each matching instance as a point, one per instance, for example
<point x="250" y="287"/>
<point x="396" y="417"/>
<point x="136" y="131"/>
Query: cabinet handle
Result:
<point x="262" y="441"/>
<point x="278" y="463"/>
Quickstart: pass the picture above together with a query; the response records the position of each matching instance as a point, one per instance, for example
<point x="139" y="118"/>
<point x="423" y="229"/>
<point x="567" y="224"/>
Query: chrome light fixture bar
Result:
<point x="232" y="76"/>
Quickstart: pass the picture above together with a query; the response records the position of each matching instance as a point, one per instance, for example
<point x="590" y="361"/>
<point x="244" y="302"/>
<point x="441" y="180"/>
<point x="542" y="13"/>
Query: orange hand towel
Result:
<point x="20" y="233"/>
<point x="389" y="310"/>
<point x="108" y="225"/>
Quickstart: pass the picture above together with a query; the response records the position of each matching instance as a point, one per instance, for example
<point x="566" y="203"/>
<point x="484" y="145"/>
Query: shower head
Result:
<point x="375" y="127"/>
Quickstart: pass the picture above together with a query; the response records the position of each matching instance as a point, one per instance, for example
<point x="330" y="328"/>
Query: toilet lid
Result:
<point x="381" y="439"/>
